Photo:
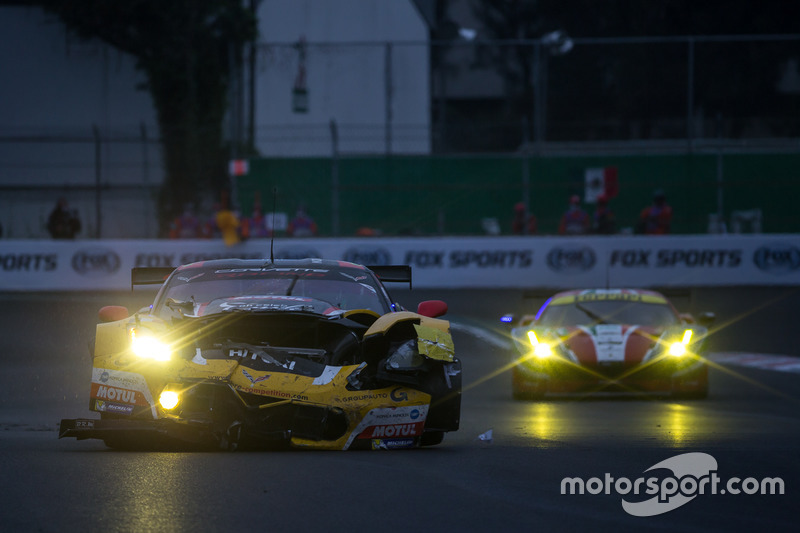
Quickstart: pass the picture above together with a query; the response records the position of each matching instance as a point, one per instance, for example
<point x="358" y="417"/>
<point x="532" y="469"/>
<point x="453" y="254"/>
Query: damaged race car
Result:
<point x="253" y="354"/>
<point x="620" y="340"/>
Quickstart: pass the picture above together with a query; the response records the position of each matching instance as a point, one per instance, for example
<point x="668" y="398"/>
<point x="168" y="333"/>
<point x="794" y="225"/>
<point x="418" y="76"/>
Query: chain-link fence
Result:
<point x="510" y="99"/>
<point x="109" y="179"/>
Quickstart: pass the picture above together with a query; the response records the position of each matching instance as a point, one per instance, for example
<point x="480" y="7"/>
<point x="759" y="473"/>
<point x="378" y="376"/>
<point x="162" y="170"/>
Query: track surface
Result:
<point x="750" y="424"/>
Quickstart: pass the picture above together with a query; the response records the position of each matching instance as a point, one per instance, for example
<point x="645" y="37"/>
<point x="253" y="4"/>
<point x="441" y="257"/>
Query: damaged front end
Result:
<point x="266" y="379"/>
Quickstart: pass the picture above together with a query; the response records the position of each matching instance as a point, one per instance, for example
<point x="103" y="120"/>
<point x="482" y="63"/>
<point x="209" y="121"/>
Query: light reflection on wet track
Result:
<point x="750" y="423"/>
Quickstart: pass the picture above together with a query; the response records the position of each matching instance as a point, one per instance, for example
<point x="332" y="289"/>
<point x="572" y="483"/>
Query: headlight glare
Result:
<point x="169" y="399"/>
<point x="541" y="350"/>
<point x="679" y="349"/>
<point x="148" y="347"/>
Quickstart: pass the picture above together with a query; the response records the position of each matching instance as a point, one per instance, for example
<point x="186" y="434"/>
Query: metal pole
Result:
<point x="690" y="94"/>
<point x="526" y="174"/>
<point x="389" y="96"/>
<point x="97" y="176"/>
<point x="146" y="181"/>
<point x="334" y="179"/>
<point x="251" y="128"/>
<point x="720" y="177"/>
<point x="442" y="106"/>
<point x="537" y="83"/>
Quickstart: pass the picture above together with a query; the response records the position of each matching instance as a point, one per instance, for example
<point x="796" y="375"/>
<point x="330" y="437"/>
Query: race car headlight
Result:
<point x="680" y="348"/>
<point x="148" y="347"/>
<point x="169" y="399"/>
<point x="541" y="350"/>
<point x="406" y="357"/>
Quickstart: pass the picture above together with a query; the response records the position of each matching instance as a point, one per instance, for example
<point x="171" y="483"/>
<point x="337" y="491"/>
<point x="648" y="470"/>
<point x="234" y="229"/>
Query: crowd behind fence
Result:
<point x="729" y="96"/>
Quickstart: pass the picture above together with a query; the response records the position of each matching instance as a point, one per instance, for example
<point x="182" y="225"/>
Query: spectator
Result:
<point x="210" y="229"/>
<point x="302" y="225"/>
<point x="228" y="223"/>
<point x="575" y="221"/>
<point x="255" y="226"/>
<point x="522" y="225"/>
<point x="186" y="226"/>
<point x="604" y="222"/>
<point x="63" y="223"/>
<point x="656" y="219"/>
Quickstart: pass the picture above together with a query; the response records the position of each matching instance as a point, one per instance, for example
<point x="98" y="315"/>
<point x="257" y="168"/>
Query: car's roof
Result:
<point x="328" y="264"/>
<point x="621" y="294"/>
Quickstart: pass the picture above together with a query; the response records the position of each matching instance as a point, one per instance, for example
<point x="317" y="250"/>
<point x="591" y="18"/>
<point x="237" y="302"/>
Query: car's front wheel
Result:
<point x="432" y="438"/>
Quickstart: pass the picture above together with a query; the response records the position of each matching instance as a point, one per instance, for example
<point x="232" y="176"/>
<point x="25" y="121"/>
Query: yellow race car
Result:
<point x="261" y="354"/>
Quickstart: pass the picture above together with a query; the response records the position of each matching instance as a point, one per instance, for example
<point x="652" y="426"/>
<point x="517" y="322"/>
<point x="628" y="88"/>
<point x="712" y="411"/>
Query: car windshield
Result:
<point x="607" y="312"/>
<point x="190" y="291"/>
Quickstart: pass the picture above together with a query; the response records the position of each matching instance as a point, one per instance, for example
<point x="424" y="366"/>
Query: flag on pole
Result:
<point x="238" y="167"/>
<point x="600" y="181"/>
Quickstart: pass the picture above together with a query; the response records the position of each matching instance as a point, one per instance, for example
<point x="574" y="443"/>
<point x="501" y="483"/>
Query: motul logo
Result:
<point x="396" y="430"/>
<point x="117" y="395"/>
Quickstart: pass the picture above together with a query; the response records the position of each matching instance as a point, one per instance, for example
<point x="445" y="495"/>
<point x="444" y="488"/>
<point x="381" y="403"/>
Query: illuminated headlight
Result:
<point x="541" y="350"/>
<point x="169" y="399"/>
<point x="148" y="347"/>
<point x="680" y="348"/>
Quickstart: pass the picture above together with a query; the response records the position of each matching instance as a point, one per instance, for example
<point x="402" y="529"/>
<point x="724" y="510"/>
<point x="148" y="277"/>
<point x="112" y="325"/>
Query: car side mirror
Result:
<point x="432" y="308"/>
<point x="112" y="313"/>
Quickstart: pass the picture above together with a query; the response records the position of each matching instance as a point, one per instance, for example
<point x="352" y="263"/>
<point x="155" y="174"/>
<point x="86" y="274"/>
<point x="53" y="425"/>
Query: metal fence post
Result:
<point x="97" y="176"/>
<point x="334" y="178"/>
<point x="690" y="93"/>
<point x="146" y="180"/>
<point x="389" y="96"/>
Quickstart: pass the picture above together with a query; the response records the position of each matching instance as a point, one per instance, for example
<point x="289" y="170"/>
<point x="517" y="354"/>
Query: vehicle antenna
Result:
<point x="272" y="233"/>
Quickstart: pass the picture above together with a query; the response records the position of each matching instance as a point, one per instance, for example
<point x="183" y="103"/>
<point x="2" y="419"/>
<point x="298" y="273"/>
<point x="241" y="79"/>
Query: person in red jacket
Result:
<point x="656" y="219"/>
<point x="575" y="220"/>
<point x="522" y="224"/>
<point x="302" y="225"/>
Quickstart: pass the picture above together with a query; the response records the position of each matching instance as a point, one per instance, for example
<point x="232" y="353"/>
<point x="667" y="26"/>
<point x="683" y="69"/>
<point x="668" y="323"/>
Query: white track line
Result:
<point x="781" y="363"/>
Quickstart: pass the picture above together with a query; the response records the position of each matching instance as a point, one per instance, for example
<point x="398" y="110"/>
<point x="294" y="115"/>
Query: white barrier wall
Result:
<point x="452" y="262"/>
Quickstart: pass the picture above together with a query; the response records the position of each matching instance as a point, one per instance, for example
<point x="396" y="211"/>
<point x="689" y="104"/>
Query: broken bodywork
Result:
<point x="273" y="370"/>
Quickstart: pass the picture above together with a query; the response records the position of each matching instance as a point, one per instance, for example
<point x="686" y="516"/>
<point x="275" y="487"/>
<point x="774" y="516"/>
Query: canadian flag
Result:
<point x="600" y="181"/>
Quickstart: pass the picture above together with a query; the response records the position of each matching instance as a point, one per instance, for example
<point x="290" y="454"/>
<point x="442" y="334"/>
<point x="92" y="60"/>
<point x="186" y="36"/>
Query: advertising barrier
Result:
<point x="437" y="262"/>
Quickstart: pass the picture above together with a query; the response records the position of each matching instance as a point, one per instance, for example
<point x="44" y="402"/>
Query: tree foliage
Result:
<point x="188" y="50"/>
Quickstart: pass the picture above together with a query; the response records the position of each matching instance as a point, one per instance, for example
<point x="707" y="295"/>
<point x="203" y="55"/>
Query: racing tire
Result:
<point x="431" y="438"/>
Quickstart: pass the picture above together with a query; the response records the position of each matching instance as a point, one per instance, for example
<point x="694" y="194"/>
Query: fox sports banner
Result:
<point x="440" y="262"/>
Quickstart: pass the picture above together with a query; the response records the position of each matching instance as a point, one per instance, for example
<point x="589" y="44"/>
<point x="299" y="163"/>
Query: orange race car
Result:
<point x="620" y="340"/>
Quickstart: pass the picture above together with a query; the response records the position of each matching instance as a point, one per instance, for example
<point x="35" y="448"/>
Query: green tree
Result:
<point x="189" y="50"/>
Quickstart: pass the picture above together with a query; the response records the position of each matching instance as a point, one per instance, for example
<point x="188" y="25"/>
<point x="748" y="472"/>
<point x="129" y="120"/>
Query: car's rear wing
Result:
<point x="149" y="275"/>
<point x="392" y="273"/>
